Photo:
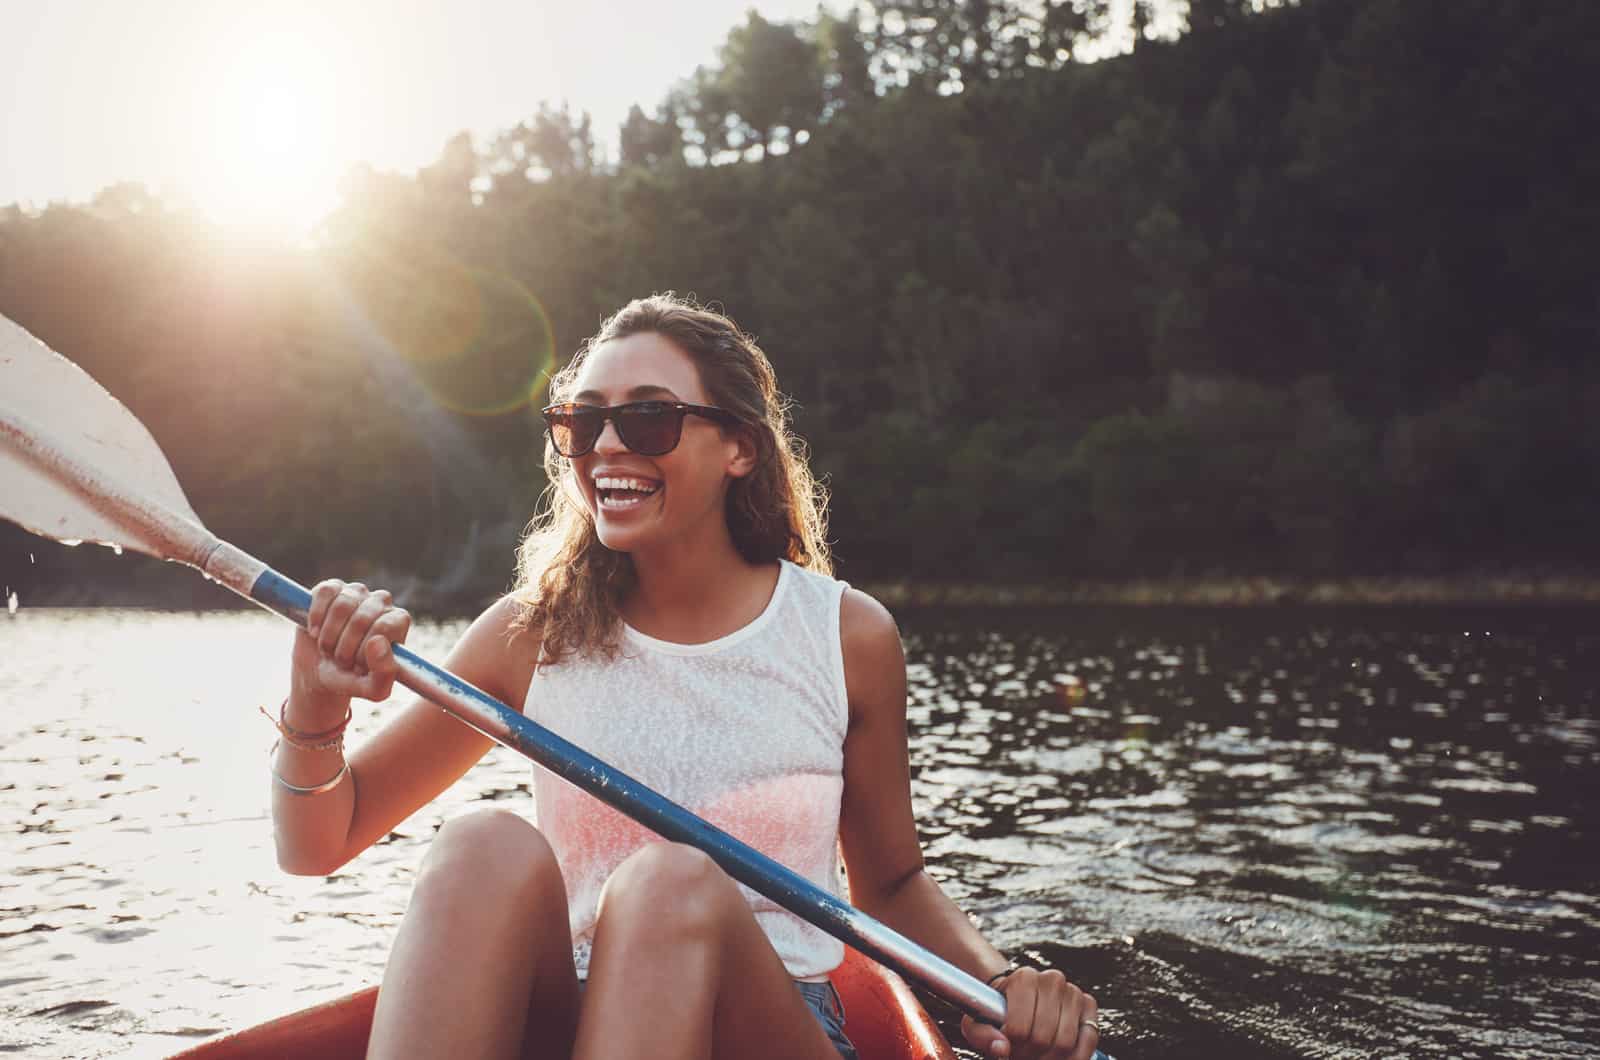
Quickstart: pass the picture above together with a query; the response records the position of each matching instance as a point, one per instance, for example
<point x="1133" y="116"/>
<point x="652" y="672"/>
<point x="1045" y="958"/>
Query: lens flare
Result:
<point x="477" y="340"/>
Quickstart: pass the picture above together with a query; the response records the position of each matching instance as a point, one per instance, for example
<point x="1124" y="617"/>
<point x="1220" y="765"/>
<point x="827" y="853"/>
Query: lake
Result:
<point x="1254" y="833"/>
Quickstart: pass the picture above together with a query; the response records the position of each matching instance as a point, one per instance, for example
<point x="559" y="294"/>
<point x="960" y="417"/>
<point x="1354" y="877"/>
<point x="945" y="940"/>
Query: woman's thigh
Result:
<point x="680" y="968"/>
<point x="482" y="964"/>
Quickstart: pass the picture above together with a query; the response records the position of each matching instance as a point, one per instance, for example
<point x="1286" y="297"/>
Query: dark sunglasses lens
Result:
<point x="650" y="429"/>
<point x="574" y="431"/>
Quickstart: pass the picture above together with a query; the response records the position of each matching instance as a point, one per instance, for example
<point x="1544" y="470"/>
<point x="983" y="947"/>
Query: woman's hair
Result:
<point x="570" y="585"/>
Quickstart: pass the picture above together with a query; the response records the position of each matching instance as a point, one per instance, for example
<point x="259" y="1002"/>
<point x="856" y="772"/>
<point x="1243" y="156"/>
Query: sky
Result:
<point x="253" y="111"/>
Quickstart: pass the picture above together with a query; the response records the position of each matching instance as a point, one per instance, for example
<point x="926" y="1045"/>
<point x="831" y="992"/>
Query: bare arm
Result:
<point x="883" y="857"/>
<point x="877" y="829"/>
<point x="406" y="764"/>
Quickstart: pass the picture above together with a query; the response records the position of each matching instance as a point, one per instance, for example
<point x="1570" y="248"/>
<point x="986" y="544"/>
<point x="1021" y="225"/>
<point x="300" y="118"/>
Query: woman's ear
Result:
<point x="747" y="454"/>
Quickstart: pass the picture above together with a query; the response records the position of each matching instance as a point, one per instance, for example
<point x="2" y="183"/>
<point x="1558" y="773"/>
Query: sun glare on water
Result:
<point x="270" y="159"/>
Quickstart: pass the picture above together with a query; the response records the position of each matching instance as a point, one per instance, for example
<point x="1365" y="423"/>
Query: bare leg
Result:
<point x="482" y="965"/>
<point x="681" y="969"/>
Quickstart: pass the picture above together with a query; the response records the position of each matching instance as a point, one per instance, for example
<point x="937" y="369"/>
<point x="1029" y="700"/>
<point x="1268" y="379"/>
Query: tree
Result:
<point x="960" y="43"/>
<point x="449" y="180"/>
<point x="847" y="64"/>
<point x="651" y="141"/>
<point x="1206" y="16"/>
<point x="766" y="94"/>
<point x="127" y="198"/>
<point x="551" y="145"/>
<point x="1141" y="16"/>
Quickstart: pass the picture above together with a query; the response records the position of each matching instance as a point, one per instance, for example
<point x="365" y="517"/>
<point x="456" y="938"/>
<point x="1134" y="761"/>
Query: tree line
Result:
<point x="1283" y="288"/>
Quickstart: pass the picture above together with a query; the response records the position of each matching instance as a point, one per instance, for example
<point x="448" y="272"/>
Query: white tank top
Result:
<point x="747" y="731"/>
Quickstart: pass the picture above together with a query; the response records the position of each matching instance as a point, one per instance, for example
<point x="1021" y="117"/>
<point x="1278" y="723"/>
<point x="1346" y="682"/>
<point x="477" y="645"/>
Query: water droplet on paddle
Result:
<point x="11" y="603"/>
<point x="72" y="542"/>
<point x="116" y="549"/>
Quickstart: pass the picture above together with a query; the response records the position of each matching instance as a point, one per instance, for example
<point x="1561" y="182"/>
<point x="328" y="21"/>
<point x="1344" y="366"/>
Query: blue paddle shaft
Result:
<point x="666" y="818"/>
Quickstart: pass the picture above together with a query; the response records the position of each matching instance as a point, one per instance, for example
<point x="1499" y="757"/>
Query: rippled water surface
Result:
<point x="1254" y="834"/>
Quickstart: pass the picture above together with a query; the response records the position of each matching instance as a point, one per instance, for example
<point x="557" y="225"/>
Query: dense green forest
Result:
<point x="1303" y="288"/>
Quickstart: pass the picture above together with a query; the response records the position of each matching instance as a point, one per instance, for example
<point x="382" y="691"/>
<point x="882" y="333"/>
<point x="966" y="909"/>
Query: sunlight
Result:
<point x="269" y="160"/>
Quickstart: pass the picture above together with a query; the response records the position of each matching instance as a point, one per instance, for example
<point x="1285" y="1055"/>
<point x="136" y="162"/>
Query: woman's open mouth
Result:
<point x="616" y="494"/>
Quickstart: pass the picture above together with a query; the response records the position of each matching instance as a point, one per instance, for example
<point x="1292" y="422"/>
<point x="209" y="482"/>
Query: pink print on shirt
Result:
<point x="792" y="819"/>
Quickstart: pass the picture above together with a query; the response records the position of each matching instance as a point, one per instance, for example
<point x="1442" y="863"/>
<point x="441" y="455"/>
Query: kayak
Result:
<point x="882" y="1019"/>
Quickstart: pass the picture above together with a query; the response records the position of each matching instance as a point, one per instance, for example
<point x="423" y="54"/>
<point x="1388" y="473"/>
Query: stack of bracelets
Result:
<point x="327" y="740"/>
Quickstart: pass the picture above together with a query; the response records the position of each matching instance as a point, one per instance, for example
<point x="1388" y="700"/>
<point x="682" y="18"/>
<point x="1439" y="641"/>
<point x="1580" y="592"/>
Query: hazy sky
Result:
<point x="254" y="110"/>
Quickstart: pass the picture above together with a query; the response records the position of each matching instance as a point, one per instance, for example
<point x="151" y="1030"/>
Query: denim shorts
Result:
<point x="823" y="1001"/>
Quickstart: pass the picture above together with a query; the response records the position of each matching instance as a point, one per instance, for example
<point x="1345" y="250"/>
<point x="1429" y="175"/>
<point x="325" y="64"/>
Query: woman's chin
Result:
<point x="617" y="536"/>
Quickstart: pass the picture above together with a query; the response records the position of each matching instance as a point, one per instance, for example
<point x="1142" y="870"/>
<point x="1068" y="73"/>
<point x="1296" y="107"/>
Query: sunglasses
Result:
<point x="649" y="428"/>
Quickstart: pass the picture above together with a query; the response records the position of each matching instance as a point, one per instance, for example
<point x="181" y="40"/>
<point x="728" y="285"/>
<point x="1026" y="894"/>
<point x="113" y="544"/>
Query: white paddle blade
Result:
<point x="76" y="465"/>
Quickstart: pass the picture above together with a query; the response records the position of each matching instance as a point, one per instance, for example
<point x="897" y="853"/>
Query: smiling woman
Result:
<point x="270" y="160"/>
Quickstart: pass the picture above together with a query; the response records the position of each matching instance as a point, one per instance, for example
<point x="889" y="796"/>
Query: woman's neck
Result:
<point x="696" y="595"/>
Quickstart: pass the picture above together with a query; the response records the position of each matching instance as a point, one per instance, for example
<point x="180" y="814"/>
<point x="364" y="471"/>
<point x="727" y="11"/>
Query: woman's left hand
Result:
<point x="1047" y="1018"/>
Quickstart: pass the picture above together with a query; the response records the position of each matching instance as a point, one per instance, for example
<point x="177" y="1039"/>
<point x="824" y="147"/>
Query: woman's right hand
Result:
<point x="346" y="646"/>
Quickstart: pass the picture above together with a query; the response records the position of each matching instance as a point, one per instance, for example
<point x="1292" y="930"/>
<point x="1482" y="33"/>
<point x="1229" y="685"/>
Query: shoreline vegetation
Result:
<point x="1259" y="591"/>
<point x="175" y="590"/>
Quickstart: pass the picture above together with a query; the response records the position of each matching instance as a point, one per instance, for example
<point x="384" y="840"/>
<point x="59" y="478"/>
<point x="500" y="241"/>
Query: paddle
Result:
<point x="75" y="465"/>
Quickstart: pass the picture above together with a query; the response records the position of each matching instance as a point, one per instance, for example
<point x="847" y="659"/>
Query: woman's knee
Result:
<point x="491" y="852"/>
<point x="669" y="886"/>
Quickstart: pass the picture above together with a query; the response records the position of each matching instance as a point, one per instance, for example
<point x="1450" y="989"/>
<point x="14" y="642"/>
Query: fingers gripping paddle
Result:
<point x="75" y="465"/>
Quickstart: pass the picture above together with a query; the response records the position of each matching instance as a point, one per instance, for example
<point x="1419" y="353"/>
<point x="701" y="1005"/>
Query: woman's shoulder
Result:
<point x="863" y="617"/>
<point x="874" y="661"/>
<point x="508" y="619"/>
<point x="502" y="644"/>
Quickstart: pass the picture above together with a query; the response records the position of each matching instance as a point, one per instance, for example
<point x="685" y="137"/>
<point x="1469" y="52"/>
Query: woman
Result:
<point x="676" y="617"/>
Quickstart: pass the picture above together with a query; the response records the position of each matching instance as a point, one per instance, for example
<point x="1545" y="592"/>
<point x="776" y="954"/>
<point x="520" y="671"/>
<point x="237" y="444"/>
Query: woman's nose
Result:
<point x="609" y="441"/>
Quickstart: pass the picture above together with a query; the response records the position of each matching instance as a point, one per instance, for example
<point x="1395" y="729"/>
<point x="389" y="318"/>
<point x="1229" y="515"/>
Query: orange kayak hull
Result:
<point x="883" y="1020"/>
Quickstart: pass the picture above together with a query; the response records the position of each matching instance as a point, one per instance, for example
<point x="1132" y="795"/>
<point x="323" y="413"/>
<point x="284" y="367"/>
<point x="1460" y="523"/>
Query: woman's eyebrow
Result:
<point x="638" y="393"/>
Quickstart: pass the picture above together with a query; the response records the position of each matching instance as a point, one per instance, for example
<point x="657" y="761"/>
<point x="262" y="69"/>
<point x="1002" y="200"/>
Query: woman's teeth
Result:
<point x="616" y="494"/>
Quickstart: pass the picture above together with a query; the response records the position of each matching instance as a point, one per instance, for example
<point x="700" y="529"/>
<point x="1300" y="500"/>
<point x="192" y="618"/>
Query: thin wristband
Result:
<point x="326" y="740"/>
<point x="1009" y="969"/>
<point x="315" y="789"/>
<point x="305" y="734"/>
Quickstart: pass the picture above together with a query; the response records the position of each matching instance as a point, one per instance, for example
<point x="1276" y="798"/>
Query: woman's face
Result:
<point x="639" y="502"/>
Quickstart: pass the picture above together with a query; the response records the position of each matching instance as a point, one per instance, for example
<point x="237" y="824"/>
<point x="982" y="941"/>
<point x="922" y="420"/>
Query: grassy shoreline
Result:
<point x="168" y="588"/>
<point x="1258" y="591"/>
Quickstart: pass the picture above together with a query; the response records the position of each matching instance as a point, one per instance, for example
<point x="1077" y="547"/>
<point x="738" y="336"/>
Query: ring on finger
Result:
<point x="1090" y="1023"/>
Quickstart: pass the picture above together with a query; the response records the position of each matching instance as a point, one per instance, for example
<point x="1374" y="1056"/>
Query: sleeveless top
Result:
<point x="746" y="731"/>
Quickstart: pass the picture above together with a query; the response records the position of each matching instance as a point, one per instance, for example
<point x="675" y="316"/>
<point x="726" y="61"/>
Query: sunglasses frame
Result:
<point x="612" y="413"/>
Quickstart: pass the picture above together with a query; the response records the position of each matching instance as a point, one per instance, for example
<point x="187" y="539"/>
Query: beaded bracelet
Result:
<point x="315" y="789"/>
<point x="327" y="740"/>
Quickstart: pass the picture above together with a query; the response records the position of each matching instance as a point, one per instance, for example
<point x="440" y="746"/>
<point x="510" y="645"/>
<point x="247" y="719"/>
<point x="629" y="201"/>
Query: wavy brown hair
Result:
<point x="570" y="585"/>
